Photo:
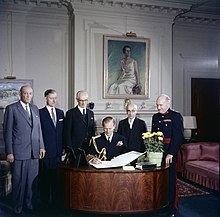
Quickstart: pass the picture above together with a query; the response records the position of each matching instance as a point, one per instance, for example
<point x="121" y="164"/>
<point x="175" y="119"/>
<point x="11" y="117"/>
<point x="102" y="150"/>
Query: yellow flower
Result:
<point x="159" y="133"/>
<point x="146" y="135"/>
<point x="160" y="138"/>
<point x="153" y="141"/>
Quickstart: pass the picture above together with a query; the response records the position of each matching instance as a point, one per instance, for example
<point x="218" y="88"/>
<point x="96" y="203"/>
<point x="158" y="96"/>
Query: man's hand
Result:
<point x="169" y="159"/>
<point x="42" y="153"/>
<point x="120" y="143"/>
<point x="10" y="158"/>
<point x="95" y="160"/>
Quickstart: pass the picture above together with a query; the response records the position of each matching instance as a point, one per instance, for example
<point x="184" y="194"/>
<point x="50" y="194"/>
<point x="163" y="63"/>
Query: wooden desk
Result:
<point x="115" y="191"/>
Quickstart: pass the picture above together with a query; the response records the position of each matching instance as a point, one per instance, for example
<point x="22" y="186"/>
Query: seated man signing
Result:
<point x="107" y="145"/>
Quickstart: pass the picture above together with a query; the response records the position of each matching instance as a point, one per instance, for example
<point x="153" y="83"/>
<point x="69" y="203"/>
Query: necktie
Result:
<point x="109" y="140"/>
<point x="27" y="110"/>
<point x="84" y="112"/>
<point x="53" y="117"/>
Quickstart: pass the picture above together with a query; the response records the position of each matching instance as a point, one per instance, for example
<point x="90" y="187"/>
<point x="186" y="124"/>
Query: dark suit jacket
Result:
<point x="78" y="130"/>
<point x="111" y="149"/>
<point x="52" y="136"/>
<point x="23" y="137"/>
<point x="133" y="136"/>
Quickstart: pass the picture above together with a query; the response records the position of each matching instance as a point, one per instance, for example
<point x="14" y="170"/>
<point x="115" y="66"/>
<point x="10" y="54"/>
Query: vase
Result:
<point x="91" y="105"/>
<point x="155" y="157"/>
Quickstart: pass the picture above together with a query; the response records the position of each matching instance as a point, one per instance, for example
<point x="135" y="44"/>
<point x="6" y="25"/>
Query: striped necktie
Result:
<point x="27" y="110"/>
<point x="53" y="117"/>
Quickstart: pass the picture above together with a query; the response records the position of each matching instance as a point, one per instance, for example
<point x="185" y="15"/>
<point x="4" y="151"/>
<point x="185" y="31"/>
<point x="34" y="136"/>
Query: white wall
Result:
<point x="41" y="51"/>
<point x="90" y="27"/>
<point x="37" y="41"/>
<point x="196" y="55"/>
<point x="39" y="48"/>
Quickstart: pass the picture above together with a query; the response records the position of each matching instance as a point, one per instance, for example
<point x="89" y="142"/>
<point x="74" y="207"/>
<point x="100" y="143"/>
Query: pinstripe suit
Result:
<point x="23" y="139"/>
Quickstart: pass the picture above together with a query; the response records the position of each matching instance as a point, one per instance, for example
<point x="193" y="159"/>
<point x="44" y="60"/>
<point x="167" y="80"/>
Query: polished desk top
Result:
<point x="115" y="190"/>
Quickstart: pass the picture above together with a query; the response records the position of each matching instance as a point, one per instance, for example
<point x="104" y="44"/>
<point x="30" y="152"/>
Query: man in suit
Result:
<point x="170" y="123"/>
<point x="52" y="120"/>
<point x="132" y="128"/>
<point x="24" y="147"/>
<point x="108" y="145"/>
<point x="79" y="123"/>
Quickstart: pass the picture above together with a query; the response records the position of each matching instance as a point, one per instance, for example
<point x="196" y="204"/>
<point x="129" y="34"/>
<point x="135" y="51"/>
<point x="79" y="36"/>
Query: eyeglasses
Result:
<point x="83" y="100"/>
<point x="131" y="110"/>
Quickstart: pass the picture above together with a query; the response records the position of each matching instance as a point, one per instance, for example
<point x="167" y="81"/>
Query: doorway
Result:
<point x="205" y="103"/>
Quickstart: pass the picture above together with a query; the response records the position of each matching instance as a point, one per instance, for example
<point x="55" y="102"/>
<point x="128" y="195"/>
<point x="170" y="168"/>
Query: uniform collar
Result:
<point x="167" y="112"/>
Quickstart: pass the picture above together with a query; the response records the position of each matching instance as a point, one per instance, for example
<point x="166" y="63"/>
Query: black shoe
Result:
<point x="17" y="214"/>
<point x="172" y="214"/>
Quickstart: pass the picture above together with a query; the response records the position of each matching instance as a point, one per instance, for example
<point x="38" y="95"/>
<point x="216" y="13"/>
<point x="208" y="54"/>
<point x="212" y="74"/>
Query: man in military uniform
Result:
<point x="108" y="145"/>
<point x="170" y="123"/>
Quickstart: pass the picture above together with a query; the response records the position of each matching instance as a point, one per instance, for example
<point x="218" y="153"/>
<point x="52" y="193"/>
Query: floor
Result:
<point x="195" y="206"/>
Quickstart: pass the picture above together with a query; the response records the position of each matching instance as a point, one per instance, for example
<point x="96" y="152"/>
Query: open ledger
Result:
<point x="118" y="161"/>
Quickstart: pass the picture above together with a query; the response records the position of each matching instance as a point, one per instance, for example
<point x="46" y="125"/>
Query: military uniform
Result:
<point x="171" y="124"/>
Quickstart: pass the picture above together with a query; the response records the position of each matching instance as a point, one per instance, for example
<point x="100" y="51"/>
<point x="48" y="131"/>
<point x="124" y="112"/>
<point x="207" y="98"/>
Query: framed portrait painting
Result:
<point x="9" y="90"/>
<point x="126" y="67"/>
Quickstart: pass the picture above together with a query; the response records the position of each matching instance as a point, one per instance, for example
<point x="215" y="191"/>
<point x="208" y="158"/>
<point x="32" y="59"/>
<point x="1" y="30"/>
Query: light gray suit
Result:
<point x="23" y="139"/>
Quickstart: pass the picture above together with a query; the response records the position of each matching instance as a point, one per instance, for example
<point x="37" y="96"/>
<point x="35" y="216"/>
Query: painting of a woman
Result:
<point x="126" y="67"/>
<point x="128" y="80"/>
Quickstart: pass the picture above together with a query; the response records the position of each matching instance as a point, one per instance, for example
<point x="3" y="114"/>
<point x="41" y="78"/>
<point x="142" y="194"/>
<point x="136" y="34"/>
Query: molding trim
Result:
<point x="142" y="8"/>
<point x="131" y="5"/>
<point x="199" y="20"/>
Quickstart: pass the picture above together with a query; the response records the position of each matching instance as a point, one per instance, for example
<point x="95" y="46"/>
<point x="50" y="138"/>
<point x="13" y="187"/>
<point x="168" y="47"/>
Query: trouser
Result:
<point x="49" y="181"/>
<point x="173" y="191"/>
<point x="24" y="183"/>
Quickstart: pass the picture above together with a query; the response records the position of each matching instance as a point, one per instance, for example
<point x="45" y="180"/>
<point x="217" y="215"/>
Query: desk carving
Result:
<point x="115" y="190"/>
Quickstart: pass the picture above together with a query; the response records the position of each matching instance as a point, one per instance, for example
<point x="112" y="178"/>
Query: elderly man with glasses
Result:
<point x="79" y="123"/>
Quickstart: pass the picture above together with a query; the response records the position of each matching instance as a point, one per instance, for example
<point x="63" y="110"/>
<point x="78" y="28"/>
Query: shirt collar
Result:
<point x="24" y="105"/>
<point x="131" y="119"/>
<point x="110" y="137"/>
<point x="49" y="108"/>
<point x="81" y="109"/>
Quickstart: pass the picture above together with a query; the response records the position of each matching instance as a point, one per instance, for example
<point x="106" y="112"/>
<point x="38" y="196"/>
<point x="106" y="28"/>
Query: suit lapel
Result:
<point x="24" y="113"/>
<point x="127" y="125"/>
<point x="47" y="116"/>
<point x="84" y="120"/>
<point x="132" y="131"/>
<point x="105" y="142"/>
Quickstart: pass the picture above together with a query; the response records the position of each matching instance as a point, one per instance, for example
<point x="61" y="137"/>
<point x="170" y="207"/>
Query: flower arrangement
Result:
<point x="153" y="141"/>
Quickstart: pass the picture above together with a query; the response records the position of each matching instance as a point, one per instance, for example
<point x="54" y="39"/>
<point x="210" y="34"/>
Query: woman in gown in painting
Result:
<point x="128" y="81"/>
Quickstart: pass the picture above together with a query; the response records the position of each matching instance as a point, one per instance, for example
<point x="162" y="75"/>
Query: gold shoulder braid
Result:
<point x="101" y="154"/>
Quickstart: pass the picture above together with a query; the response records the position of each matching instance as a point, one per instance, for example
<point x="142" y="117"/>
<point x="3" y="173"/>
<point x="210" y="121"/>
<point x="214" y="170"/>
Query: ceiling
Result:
<point x="203" y="8"/>
<point x="210" y="7"/>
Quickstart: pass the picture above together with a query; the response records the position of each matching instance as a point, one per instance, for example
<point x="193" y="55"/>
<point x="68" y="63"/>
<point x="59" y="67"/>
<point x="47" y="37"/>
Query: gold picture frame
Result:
<point x="121" y="70"/>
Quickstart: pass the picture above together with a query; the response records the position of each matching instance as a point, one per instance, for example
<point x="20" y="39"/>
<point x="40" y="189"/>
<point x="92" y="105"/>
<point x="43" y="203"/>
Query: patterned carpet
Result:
<point x="186" y="190"/>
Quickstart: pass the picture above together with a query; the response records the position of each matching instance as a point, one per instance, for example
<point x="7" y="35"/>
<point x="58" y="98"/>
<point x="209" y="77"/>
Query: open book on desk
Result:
<point x="118" y="161"/>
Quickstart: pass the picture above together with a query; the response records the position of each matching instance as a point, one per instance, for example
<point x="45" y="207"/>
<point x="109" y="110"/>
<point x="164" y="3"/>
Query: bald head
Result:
<point x="26" y="94"/>
<point x="163" y="103"/>
<point x="82" y="98"/>
<point x="131" y="110"/>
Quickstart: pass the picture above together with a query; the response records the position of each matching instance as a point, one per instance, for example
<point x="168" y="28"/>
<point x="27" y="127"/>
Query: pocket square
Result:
<point x="60" y="119"/>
